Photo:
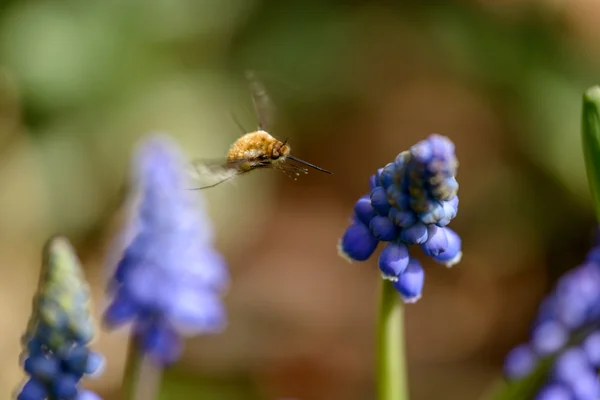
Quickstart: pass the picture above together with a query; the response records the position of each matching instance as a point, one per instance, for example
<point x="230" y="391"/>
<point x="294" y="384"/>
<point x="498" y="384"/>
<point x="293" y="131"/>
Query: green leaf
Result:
<point x="590" y="135"/>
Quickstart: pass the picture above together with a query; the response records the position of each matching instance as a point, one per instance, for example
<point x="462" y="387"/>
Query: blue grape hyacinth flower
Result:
<point x="565" y="333"/>
<point x="170" y="277"/>
<point x="55" y="345"/>
<point x="412" y="201"/>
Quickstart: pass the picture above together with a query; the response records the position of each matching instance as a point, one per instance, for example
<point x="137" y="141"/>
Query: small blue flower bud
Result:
<point x="586" y="386"/>
<point x="437" y="241"/>
<point x="65" y="387"/>
<point x="591" y="347"/>
<point x="453" y="254"/>
<point x="446" y="189"/>
<point x="520" y="362"/>
<point x="386" y="178"/>
<point x="363" y="210"/>
<point x="571" y="311"/>
<point x="548" y="337"/>
<point x="402" y="160"/>
<point x="42" y="368"/>
<point x="161" y="343"/>
<point x="379" y="201"/>
<point x="87" y="395"/>
<point x="410" y="282"/>
<point x="450" y="208"/>
<point x="393" y="260"/>
<point x="194" y="312"/>
<point x="415" y="234"/>
<point x="398" y="198"/>
<point x="33" y="390"/>
<point x="554" y="391"/>
<point x="422" y="152"/>
<point x="403" y="219"/>
<point x="122" y="310"/>
<point x="358" y="243"/>
<point x="95" y="364"/>
<point x="435" y="213"/>
<point x="383" y="228"/>
<point x="441" y="147"/>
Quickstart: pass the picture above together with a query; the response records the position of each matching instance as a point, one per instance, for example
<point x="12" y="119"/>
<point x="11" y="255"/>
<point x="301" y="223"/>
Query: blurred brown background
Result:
<point x="354" y="84"/>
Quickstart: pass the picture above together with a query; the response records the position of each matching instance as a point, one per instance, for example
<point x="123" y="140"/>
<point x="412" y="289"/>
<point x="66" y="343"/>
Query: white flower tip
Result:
<point x="99" y="370"/>
<point x="342" y="253"/>
<point x="389" y="278"/>
<point x="451" y="263"/>
<point x="411" y="300"/>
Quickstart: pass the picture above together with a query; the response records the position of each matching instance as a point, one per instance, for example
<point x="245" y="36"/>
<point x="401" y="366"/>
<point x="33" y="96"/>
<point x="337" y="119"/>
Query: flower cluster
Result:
<point x="169" y="279"/>
<point x="566" y="332"/>
<point x="55" y="353"/>
<point x="412" y="201"/>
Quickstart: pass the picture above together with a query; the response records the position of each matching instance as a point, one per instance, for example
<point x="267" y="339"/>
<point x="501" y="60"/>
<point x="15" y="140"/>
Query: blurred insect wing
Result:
<point x="207" y="174"/>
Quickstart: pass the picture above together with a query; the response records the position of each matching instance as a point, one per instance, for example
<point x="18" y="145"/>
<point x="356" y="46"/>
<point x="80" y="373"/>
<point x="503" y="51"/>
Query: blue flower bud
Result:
<point x="402" y="160"/>
<point x="386" y="178"/>
<point x="65" y="387"/>
<point x="358" y="243"/>
<point x="161" y="343"/>
<point x="398" y="198"/>
<point x="571" y="311"/>
<point x="437" y="241"/>
<point x="554" y="391"/>
<point x="435" y="213"/>
<point x="379" y="201"/>
<point x="415" y="234"/>
<point x="586" y="386"/>
<point x="410" y="282"/>
<point x="363" y="210"/>
<point x="383" y="228"/>
<point x="422" y="152"/>
<point x="591" y="347"/>
<point x="122" y="310"/>
<point x="450" y="208"/>
<point x="33" y="390"/>
<point x="520" y="362"/>
<point x="87" y="395"/>
<point x="193" y="312"/>
<point x="446" y="189"/>
<point x="453" y="254"/>
<point x="548" y="337"/>
<point x="42" y="368"/>
<point x="403" y="219"/>
<point x="393" y="260"/>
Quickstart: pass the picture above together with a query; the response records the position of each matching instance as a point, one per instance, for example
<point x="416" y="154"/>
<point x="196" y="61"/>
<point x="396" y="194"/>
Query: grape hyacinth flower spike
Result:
<point x="55" y="346"/>
<point x="564" y="345"/>
<point x="170" y="278"/>
<point x="412" y="201"/>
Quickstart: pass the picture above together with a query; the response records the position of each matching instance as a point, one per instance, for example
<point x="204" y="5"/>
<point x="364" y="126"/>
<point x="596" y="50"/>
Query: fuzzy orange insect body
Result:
<point x="256" y="148"/>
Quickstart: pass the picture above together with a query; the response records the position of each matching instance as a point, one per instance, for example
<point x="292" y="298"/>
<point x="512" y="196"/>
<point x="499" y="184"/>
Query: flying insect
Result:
<point x="255" y="150"/>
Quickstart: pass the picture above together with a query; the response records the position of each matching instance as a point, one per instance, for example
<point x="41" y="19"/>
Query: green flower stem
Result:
<point x="392" y="383"/>
<point x="590" y="134"/>
<point x="142" y="377"/>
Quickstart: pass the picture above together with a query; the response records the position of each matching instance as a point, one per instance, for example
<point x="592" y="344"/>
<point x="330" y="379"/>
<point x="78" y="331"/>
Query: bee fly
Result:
<point x="255" y="150"/>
